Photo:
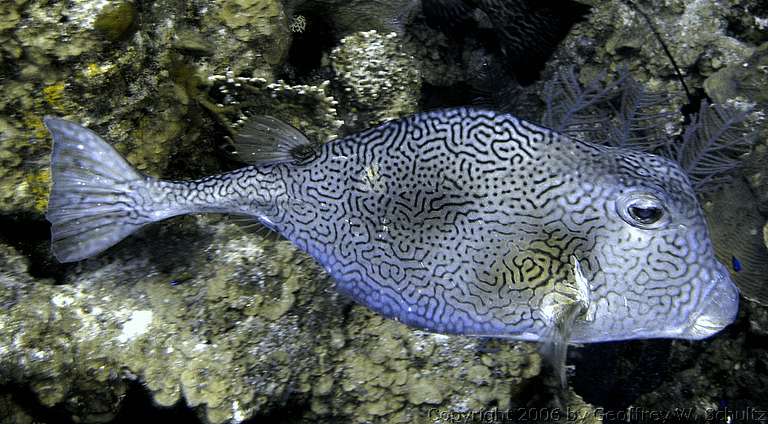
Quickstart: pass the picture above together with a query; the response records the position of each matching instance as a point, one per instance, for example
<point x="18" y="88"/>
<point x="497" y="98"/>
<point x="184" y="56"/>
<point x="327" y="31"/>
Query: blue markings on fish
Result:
<point x="458" y="221"/>
<point x="735" y="264"/>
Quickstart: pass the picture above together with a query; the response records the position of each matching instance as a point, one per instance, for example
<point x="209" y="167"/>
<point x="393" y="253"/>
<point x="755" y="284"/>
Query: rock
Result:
<point x="747" y="83"/>
<point x="421" y="391"/>
<point x="746" y="79"/>
<point x="350" y="16"/>
<point x="259" y="29"/>
<point x="115" y="19"/>
<point x="377" y="75"/>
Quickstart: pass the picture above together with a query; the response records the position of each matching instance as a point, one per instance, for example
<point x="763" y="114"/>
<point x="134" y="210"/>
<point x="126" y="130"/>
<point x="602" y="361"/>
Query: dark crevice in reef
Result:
<point x="32" y="238"/>
<point x="613" y="375"/>
<point x="741" y="25"/>
<point x="435" y="97"/>
<point x="521" y="33"/>
<point x="293" y="411"/>
<point x="541" y="393"/>
<point x="694" y="103"/>
<point x="139" y="406"/>
<point x="308" y="46"/>
<point x="27" y="401"/>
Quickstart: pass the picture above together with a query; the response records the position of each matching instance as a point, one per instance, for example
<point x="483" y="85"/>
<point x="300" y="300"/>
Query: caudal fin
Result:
<point x="95" y="198"/>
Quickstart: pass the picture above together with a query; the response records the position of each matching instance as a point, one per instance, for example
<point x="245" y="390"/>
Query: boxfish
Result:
<point x="457" y="221"/>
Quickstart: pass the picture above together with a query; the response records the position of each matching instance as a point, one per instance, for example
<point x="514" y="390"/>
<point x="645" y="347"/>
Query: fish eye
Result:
<point x="642" y="210"/>
<point x="645" y="215"/>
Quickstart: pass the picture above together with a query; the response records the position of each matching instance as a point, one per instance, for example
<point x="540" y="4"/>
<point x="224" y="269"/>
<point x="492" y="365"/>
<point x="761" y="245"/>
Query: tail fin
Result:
<point x="95" y="198"/>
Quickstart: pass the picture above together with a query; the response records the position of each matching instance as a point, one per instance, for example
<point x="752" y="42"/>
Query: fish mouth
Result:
<point x="719" y="310"/>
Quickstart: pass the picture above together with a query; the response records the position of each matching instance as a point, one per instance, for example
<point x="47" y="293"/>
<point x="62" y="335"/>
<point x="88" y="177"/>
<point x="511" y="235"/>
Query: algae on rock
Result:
<point x="615" y="35"/>
<point x="193" y="338"/>
<point x="387" y="372"/>
<point x="129" y="72"/>
<point x="249" y="35"/>
<point x="747" y="83"/>
<point x="377" y="75"/>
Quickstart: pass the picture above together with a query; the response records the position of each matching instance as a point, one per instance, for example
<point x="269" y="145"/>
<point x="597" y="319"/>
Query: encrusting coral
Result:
<point x="377" y="76"/>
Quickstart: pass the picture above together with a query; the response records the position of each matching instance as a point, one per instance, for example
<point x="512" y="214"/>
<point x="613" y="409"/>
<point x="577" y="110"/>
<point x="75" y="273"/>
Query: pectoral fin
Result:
<point x="264" y="140"/>
<point x="554" y="344"/>
<point x="561" y="308"/>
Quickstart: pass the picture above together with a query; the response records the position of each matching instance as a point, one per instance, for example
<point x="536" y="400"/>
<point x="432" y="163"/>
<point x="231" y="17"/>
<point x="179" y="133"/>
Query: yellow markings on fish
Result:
<point x="572" y="292"/>
<point x="371" y="179"/>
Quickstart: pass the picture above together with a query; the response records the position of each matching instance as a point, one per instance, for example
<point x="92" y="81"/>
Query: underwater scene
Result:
<point x="383" y="211"/>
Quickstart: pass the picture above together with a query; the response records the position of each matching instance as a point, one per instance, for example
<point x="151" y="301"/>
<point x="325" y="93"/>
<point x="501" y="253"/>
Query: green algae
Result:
<point x="115" y="20"/>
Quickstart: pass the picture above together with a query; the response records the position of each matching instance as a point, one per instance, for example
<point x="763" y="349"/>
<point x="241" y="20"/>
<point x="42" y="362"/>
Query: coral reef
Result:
<point x="308" y="108"/>
<point x="747" y="83"/>
<point x="349" y="16"/>
<point x="617" y="33"/>
<point x="128" y="72"/>
<point x="439" y="62"/>
<point x="377" y="75"/>
<point x="238" y="325"/>
<point x="248" y="35"/>
<point x="254" y="327"/>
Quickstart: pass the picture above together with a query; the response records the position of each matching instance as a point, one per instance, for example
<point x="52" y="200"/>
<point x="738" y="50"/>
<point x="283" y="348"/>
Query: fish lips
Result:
<point x="720" y="307"/>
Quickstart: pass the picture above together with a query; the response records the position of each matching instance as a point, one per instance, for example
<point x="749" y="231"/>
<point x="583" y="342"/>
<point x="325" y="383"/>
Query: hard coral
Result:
<point x="377" y="76"/>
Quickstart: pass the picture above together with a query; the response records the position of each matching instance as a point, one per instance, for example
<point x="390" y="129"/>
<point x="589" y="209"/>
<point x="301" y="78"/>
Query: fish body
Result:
<point x="459" y="221"/>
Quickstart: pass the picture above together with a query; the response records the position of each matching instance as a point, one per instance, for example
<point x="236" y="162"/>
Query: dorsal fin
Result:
<point x="266" y="140"/>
